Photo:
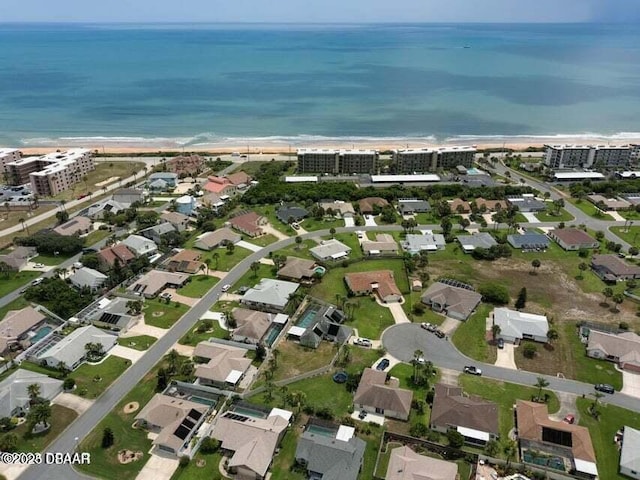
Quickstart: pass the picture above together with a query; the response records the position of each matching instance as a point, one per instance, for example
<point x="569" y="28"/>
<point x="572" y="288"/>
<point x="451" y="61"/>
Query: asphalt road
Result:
<point x="403" y="340"/>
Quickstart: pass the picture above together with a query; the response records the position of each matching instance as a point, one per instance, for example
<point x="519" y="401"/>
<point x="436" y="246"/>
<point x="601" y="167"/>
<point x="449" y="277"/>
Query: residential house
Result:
<point x="291" y="213"/>
<point x="516" y="326"/>
<point x="429" y="242"/>
<point x="298" y="269"/>
<point x="76" y="226"/>
<point x="609" y="203"/>
<point x="611" y="268"/>
<point x="330" y="250"/>
<point x="185" y="261"/>
<point x="269" y="295"/>
<point x="573" y="239"/>
<point x="88" y="278"/>
<point x="156" y="232"/>
<point x="16" y="326"/>
<point x="252" y="325"/>
<point x="18" y="258"/>
<point x="384" y="244"/>
<point x="377" y="395"/>
<point x="128" y="196"/>
<point x="320" y="322"/>
<point x="98" y="211"/>
<point x="380" y="282"/>
<point x="339" y="208"/>
<point x="140" y="245"/>
<point x="186" y="165"/>
<point x="70" y="349"/>
<point x="117" y="253"/>
<point x="220" y="237"/>
<point x="370" y="204"/>
<point x="249" y="223"/>
<point x="623" y="349"/>
<point x="212" y="200"/>
<point x="153" y="282"/>
<point x="179" y="221"/>
<point x="473" y="417"/>
<point x="113" y="314"/>
<point x="230" y="185"/>
<point x="527" y="202"/>
<point x="477" y="240"/>
<point x="332" y="453"/>
<point x="458" y="205"/>
<point x="455" y="302"/>
<point x="175" y="421"/>
<point x="406" y="464"/>
<point x="14" y="391"/>
<point x="630" y="453"/>
<point x="490" y="205"/>
<point x="163" y="180"/>
<point x="220" y="365"/>
<point x="529" y="241"/>
<point x="250" y="442"/>
<point x="410" y="206"/>
<point x="537" y="433"/>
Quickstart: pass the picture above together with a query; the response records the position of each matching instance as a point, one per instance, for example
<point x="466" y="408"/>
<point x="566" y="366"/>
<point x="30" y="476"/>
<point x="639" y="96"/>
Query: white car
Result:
<point x="225" y="288"/>
<point x="363" y="342"/>
<point x="37" y="281"/>
<point x="38" y="265"/>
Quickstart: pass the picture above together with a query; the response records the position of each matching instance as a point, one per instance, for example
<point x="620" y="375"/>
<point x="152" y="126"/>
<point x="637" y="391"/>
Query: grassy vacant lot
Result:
<point x="50" y="260"/>
<point x="208" y="471"/>
<point x="312" y="224"/>
<point x="549" y="216"/>
<point x="194" y="337"/>
<point x="602" y="432"/>
<point x="160" y="314"/>
<point x="197" y="286"/>
<point x="140" y="342"/>
<point x="505" y="395"/>
<point x="16" y="280"/>
<point x="631" y="235"/>
<point x="262" y="240"/>
<point x="301" y="250"/>
<point x="295" y="359"/>
<point x="226" y="261"/>
<point x="590" y="209"/>
<point x="95" y="236"/>
<point x="61" y="417"/>
<point x="95" y="379"/>
<point x="104" y="462"/>
<point x="250" y="279"/>
<point x="427" y="218"/>
<point x="470" y="336"/>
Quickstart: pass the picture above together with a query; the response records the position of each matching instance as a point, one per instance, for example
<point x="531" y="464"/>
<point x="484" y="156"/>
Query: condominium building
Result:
<point x="418" y="160"/>
<point x="8" y="155"/>
<point x="52" y="173"/>
<point x="586" y="156"/>
<point x="314" y="160"/>
<point x="634" y="152"/>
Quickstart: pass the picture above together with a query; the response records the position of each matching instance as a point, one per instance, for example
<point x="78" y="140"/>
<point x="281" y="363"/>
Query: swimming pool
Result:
<point x="249" y="412"/>
<point x="273" y="334"/>
<point x="474" y="171"/>
<point x="307" y="317"/>
<point x="40" y="334"/>
<point x="203" y="401"/>
<point x="318" y="430"/>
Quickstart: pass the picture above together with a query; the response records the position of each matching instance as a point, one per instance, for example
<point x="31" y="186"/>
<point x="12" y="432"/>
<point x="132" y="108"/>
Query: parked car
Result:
<point x="38" y="265"/>
<point x="622" y="255"/>
<point x="37" y="281"/>
<point x="225" y="288"/>
<point x="295" y="226"/>
<point x="500" y="343"/>
<point x="363" y="342"/>
<point x="570" y="419"/>
<point x="362" y="414"/>
<point x="360" y="234"/>
<point x="165" y="295"/>
<point x="384" y="363"/>
<point x="604" y="387"/>
<point x="470" y="369"/>
<point x="420" y="360"/>
<point x="439" y="333"/>
<point x="89" y="250"/>
<point x="426" y="326"/>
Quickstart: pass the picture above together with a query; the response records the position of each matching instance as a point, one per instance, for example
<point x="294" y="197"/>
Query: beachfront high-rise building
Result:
<point x="314" y="160"/>
<point x="586" y="156"/>
<point x="8" y="155"/>
<point x="52" y="173"/>
<point x="419" y="160"/>
<point x="634" y="153"/>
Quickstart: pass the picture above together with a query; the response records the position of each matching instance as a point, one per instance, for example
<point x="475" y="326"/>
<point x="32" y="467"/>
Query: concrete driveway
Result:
<point x="506" y="356"/>
<point x="268" y="228"/>
<point x="398" y="313"/>
<point x="249" y="246"/>
<point x="370" y="221"/>
<point x="158" y="468"/>
<point x="126" y="352"/>
<point x="142" y="328"/>
<point x="349" y="222"/>
<point x="531" y="218"/>
<point x="176" y="297"/>
<point x="450" y="325"/>
<point x="631" y="383"/>
<point x="74" y="402"/>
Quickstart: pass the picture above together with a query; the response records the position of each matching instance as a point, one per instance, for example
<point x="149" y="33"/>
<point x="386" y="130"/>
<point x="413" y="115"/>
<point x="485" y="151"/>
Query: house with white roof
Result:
<point x="140" y="245"/>
<point x="269" y="295"/>
<point x="70" y="350"/>
<point x="630" y="453"/>
<point x="429" y="242"/>
<point x="516" y="326"/>
<point x="14" y="391"/>
<point x="88" y="277"/>
<point x="330" y="250"/>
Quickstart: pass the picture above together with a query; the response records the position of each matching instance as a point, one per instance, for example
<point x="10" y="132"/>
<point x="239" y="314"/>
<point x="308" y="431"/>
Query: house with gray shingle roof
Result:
<point x="377" y="395"/>
<point x="330" y="250"/>
<point x="70" y="349"/>
<point x="14" y="391"/>
<point x="18" y="257"/>
<point x="269" y="295"/>
<point x="156" y="232"/>
<point x="623" y="349"/>
<point x="455" y="302"/>
<point x="140" y="245"/>
<point x="291" y="212"/>
<point x="89" y="278"/>
<point x="428" y="242"/>
<point x="298" y="269"/>
<point x="630" y="453"/>
<point x="477" y="240"/>
<point x="16" y="325"/>
<point x="217" y="238"/>
<point x="516" y="326"/>
<point x="170" y="179"/>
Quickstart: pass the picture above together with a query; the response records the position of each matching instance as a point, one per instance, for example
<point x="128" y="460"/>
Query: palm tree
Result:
<point x="24" y="225"/>
<point x="230" y="248"/>
<point x="207" y="262"/>
<point x="583" y="268"/>
<point x="541" y="383"/>
<point x="608" y="293"/>
<point x="255" y="266"/>
<point x="332" y="231"/>
<point x="618" y="298"/>
<point x="536" y="265"/>
<point x="62" y="204"/>
<point x="552" y="335"/>
<point x="173" y="359"/>
<point x="33" y="391"/>
<point x="59" y="272"/>
<point x="510" y="449"/>
<point x="298" y="242"/>
<point x="416" y="357"/>
<point x="40" y="413"/>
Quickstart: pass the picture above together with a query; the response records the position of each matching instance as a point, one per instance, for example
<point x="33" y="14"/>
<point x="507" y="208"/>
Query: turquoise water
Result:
<point x="249" y="412"/>
<point x="307" y="317"/>
<point x="300" y="84"/>
<point x="43" y="332"/>
<point x="273" y="334"/>
<point x="326" y="432"/>
<point x="203" y="401"/>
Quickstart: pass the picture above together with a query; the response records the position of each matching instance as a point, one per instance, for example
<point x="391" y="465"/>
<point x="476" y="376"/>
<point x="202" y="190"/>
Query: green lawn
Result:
<point x="86" y="376"/>
<point x="15" y="280"/>
<point x="312" y="224"/>
<point x="549" y="216"/>
<point x="629" y="214"/>
<point x="505" y="395"/>
<point x="294" y="359"/>
<point x="263" y="240"/>
<point x="61" y="417"/>
<point x="602" y="431"/>
<point x="350" y="240"/>
<point x="194" y="337"/>
<point x="470" y="337"/>
<point x="140" y="342"/>
<point x="250" y="279"/>
<point x="95" y="236"/>
<point x="371" y="452"/>
<point x="282" y="463"/>
<point x="208" y="471"/>
<point x="226" y="261"/>
<point x="296" y="250"/>
<point x="51" y="260"/>
<point x="631" y="235"/>
<point x="197" y="286"/>
<point x="429" y="315"/>
<point x="590" y="209"/>
<point x="427" y="218"/>
<point x="158" y="314"/>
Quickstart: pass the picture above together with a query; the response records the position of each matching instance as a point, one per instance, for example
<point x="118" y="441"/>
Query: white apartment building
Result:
<point x="634" y="154"/>
<point x="586" y="156"/>
<point x="8" y="155"/>
<point x="419" y="160"/>
<point x="52" y="173"/>
<point x="317" y="160"/>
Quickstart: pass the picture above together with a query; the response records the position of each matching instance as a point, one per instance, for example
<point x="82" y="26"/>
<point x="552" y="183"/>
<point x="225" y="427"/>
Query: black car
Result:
<point x="500" y="343"/>
<point x="439" y="333"/>
<point x="89" y="250"/>
<point x="604" y="387"/>
<point x="384" y="363"/>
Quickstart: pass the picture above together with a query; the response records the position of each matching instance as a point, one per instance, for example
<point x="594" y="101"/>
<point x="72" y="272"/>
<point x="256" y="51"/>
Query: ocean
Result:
<point x="202" y="84"/>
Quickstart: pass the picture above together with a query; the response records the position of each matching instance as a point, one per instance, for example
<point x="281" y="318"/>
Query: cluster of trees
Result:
<point x="59" y="297"/>
<point x="492" y="253"/>
<point x="51" y="243"/>
<point x="174" y="366"/>
<point x="494" y="293"/>
<point x="39" y="415"/>
<point x="607" y="189"/>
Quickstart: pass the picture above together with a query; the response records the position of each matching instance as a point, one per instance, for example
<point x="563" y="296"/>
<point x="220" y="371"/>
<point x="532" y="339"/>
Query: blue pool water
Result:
<point x="273" y="334"/>
<point x="307" y="317"/>
<point x="43" y="332"/>
<point x="473" y="171"/>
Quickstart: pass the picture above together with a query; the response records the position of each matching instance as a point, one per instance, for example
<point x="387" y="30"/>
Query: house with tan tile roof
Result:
<point x="455" y="302"/>
<point x="538" y="433"/>
<point x="405" y="464"/>
<point x="623" y="349"/>
<point x="185" y="261"/>
<point x="458" y="205"/>
<point x="18" y="258"/>
<point x="249" y="223"/>
<point x="340" y="208"/>
<point x="252" y="325"/>
<point x="179" y="221"/>
<point x="298" y="269"/>
<point x="380" y="282"/>
<point x="376" y="395"/>
<point x="154" y="281"/>
<point x="384" y="244"/>
<point x="220" y="365"/>
<point x="217" y="238"/>
<point x="368" y="204"/>
<point x="15" y="326"/>
<point x="490" y="205"/>
<point x="76" y="226"/>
